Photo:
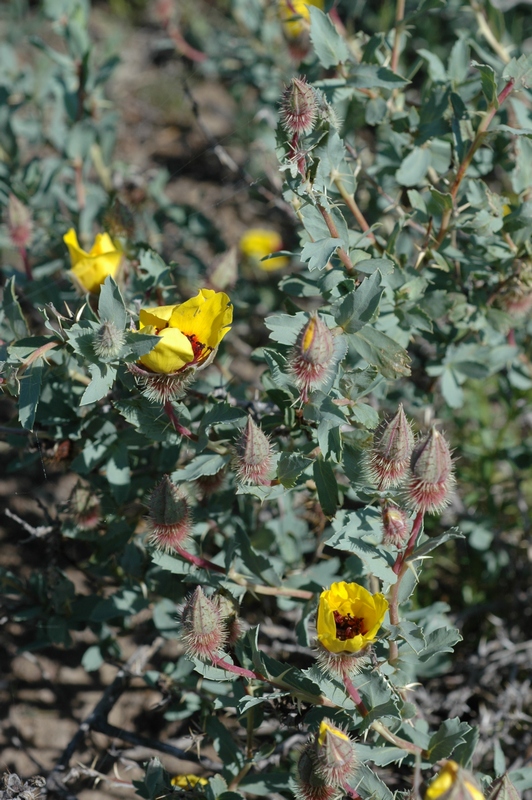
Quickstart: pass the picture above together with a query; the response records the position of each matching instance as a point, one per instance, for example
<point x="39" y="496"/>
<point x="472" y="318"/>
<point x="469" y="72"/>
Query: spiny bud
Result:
<point x="390" y="453"/>
<point x="169" y="516"/>
<point x="119" y="220"/>
<point x="19" y="223"/>
<point x="432" y="476"/>
<point x="336" y="759"/>
<point x="394" y="526"/>
<point x="108" y="340"/>
<point x="311" y="358"/>
<point x="85" y="508"/>
<point x="254" y="455"/>
<point x="309" y="785"/>
<point x="503" y="789"/>
<point x="298" y="107"/>
<point x="204" y="632"/>
<point x="453" y="783"/>
<point x="229" y="610"/>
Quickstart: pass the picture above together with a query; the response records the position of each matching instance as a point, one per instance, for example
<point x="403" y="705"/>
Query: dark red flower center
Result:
<point x="347" y="627"/>
<point x="197" y="347"/>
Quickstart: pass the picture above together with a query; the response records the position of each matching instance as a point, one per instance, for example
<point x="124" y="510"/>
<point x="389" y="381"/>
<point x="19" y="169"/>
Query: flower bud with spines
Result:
<point x="254" y="455"/>
<point x="298" y="107"/>
<point x="395" y="528"/>
<point x="311" y="358"/>
<point x="108" y="340"/>
<point x="309" y="785"/>
<point x="169" y="518"/>
<point x="229" y="609"/>
<point x="336" y="758"/>
<point x="503" y="789"/>
<point x="389" y="455"/>
<point x="432" y="478"/>
<point x="204" y="632"/>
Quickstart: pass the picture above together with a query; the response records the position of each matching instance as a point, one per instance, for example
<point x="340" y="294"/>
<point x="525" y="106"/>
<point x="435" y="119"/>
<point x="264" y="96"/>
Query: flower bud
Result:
<point x="311" y="358"/>
<point x="309" y="785"/>
<point x="453" y="783"/>
<point x="254" y="455"/>
<point x="503" y="789"/>
<point x="336" y="759"/>
<point x="204" y="633"/>
<point x="395" y="527"/>
<point x="229" y="609"/>
<point x="169" y="516"/>
<point x="85" y="508"/>
<point x="108" y="340"/>
<point x="432" y="476"/>
<point x="298" y="107"/>
<point x="390" y="452"/>
<point x="19" y="223"/>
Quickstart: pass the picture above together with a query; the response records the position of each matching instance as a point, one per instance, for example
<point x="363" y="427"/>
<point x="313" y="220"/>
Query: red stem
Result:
<point x="198" y="561"/>
<point x="26" y="261"/>
<point x="354" y="695"/>
<point x="170" y="413"/>
<point x="244" y="673"/>
<point x="402" y="557"/>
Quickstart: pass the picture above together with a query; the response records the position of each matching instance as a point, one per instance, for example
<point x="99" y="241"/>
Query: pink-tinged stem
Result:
<point x="26" y="261"/>
<point x="400" y="567"/>
<point x="401" y="558"/>
<point x="355" y="696"/>
<point x="172" y="416"/>
<point x="244" y="673"/>
<point x="198" y="561"/>
<point x="351" y="792"/>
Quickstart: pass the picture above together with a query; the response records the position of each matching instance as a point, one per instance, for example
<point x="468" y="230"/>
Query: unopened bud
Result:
<point x="453" y="783"/>
<point x="336" y="759"/>
<point x="19" y="223"/>
<point x="395" y="527"/>
<point x="254" y="455"/>
<point x="432" y="476"/>
<point x="390" y="453"/>
<point x="85" y="508"/>
<point x="229" y="609"/>
<point x="204" y="633"/>
<point x="503" y="789"/>
<point x="309" y="785"/>
<point x="169" y="516"/>
<point x="312" y="356"/>
<point x="108" y="340"/>
<point x="118" y="220"/>
<point x="298" y="107"/>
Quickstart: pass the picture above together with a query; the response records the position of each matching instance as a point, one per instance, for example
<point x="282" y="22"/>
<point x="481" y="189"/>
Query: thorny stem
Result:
<point x="400" y="567"/>
<point x="399" y="15"/>
<point x="350" y="792"/>
<point x="242" y="671"/>
<point x="354" y="695"/>
<point x="342" y="254"/>
<point x="357" y="213"/>
<point x="198" y="561"/>
<point x="462" y="169"/>
<point x="170" y="413"/>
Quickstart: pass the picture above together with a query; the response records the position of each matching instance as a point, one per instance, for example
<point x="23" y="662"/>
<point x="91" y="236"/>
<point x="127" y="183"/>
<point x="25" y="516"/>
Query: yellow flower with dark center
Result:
<point x="257" y="243"/>
<point x="189" y="333"/>
<point x="349" y="617"/>
<point x="453" y="783"/>
<point x="188" y="781"/>
<point x="295" y="16"/>
<point x="92" y="268"/>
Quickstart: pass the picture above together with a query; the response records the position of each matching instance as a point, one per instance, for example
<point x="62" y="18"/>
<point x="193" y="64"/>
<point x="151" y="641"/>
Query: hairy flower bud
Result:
<point x="85" y="508"/>
<point x="311" y="359"/>
<point x="298" y="107"/>
<point x="432" y="476"/>
<point x="394" y="526"/>
<point x="453" y="783"/>
<point x="336" y="759"/>
<point x="19" y="223"/>
<point x="309" y="785"/>
<point x="254" y="455"/>
<point x="108" y="340"/>
<point x="389" y="456"/>
<point x="169" y="516"/>
<point x="503" y="789"/>
<point x="229" y="610"/>
<point x="204" y="632"/>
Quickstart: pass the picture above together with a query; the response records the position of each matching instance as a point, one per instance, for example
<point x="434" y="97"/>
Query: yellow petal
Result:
<point x="159" y="316"/>
<point x="171" y="353"/>
<point x="207" y="317"/>
<point x="102" y="244"/>
<point x="443" y="781"/>
<point x="71" y="240"/>
<point x="92" y="271"/>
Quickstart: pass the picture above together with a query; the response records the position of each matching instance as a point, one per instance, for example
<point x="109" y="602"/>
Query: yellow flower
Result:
<point x="188" y="333"/>
<point x="453" y="782"/>
<point x="92" y="268"/>
<point x="260" y="242"/>
<point x="295" y="16"/>
<point x="326" y="728"/>
<point x="188" y="781"/>
<point x="349" y="617"/>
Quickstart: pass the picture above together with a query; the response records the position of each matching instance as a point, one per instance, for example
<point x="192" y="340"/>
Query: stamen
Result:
<point x="347" y="627"/>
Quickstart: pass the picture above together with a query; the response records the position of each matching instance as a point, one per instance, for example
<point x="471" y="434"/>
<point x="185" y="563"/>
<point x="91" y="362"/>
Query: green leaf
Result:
<point x="318" y="253"/>
<point x="103" y="376"/>
<point x="111" y="304"/>
<point x="326" y="486"/>
<point x="414" y="167"/>
<point x="13" y="312"/>
<point x="441" y="202"/>
<point x="448" y="736"/>
<point x="371" y="76"/>
<point x="437" y="71"/>
<point x="489" y="82"/>
<point x="519" y="70"/>
<point x="430" y="544"/>
<point x="349" y="533"/>
<point x="369" y="786"/>
<point x="358" y="307"/>
<point x="30" y="391"/>
<point x="290" y="467"/>
<point x="208" y="464"/>
<point x="378" y="349"/>
<point x="137" y="344"/>
<point x="329" y="46"/>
